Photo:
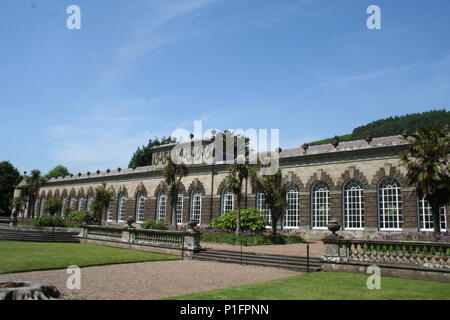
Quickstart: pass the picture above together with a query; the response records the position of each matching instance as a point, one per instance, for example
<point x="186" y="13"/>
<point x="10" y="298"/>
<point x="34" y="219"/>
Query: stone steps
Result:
<point x="265" y="260"/>
<point x="11" y="234"/>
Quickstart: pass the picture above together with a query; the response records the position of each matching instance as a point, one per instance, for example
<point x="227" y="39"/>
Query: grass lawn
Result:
<point x="27" y="256"/>
<point x="328" y="285"/>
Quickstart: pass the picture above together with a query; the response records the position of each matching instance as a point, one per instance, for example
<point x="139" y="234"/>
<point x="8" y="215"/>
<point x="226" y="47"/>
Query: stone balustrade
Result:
<point x="188" y="241"/>
<point x="414" y="254"/>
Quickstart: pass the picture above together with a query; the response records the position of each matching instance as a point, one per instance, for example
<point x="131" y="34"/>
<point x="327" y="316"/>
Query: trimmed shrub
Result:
<point x="251" y="219"/>
<point x="48" y="221"/>
<point x="156" y="225"/>
<point x="248" y="239"/>
<point x="77" y="216"/>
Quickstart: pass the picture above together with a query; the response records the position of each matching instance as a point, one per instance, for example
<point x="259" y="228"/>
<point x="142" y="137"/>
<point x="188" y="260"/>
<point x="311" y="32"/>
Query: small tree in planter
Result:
<point x="100" y="203"/>
<point x="52" y="205"/>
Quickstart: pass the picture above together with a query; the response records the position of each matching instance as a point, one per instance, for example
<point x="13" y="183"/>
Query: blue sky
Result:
<point x="137" y="69"/>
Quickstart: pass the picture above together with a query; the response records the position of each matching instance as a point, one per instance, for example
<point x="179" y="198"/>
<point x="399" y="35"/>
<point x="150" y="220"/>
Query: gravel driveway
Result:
<point x="152" y="280"/>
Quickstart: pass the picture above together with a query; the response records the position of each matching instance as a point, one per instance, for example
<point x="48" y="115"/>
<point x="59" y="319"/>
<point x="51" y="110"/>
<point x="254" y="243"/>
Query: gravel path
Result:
<point x="152" y="280"/>
<point x="316" y="249"/>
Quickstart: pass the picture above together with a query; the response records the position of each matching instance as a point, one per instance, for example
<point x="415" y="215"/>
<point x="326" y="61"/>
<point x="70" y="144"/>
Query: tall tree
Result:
<point x="34" y="182"/>
<point x="9" y="178"/>
<point x="58" y="171"/>
<point x="235" y="181"/>
<point x="100" y="203"/>
<point x="143" y="156"/>
<point x="173" y="174"/>
<point x="52" y="205"/>
<point x="427" y="162"/>
<point x="274" y="189"/>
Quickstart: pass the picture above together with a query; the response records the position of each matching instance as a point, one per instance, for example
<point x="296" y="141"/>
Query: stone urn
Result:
<point x="190" y="226"/>
<point x="130" y="223"/>
<point x="24" y="290"/>
<point x="333" y="226"/>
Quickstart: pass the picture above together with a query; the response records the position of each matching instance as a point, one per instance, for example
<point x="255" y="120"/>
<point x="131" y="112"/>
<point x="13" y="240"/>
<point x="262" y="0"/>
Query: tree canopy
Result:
<point x="394" y="126"/>
<point x="143" y="156"/>
<point x="58" y="171"/>
<point x="9" y="178"/>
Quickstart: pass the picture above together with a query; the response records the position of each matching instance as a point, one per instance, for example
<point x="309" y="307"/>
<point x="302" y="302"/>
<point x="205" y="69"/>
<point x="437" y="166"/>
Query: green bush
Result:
<point x="48" y="221"/>
<point x="248" y="239"/>
<point x="251" y="219"/>
<point x="77" y="216"/>
<point x="156" y="225"/>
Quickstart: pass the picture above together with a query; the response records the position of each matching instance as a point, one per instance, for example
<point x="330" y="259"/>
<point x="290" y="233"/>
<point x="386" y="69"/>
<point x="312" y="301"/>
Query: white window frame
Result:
<point x="73" y="203"/>
<point x="37" y="207"/>
<point x="81" y="203"/>
<point x="161" y="208"/>
<point x="227" y="201"/>
<point x="42" y="208"/>
<point x="140" y="208"/>
<point x="426" y="216"/>
<point x="196" y="206"/>
<point x="292" y="213"/>
<point x="89" y="202"/>
<point x="109" y="212"/>
<point x="179" y="208"/>
<point x="262" y="206"/>
<point x="64" y="203"/>
<point x="320" y="199"/>
<point x="390" y="199"/>
<point x="353" y="199"/>
<point x="122" y="200"/>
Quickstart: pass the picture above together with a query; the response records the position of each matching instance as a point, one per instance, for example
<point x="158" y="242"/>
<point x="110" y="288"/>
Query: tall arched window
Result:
<point x="42" y="202"/>
<point x="109" y="210"/>
<point x="227" y="201"/>
<point x="262" y="206"/>
<point x="426" y="216"/>
<point x="81" y="203"/>
<point x="179" y="209"/>
<point x="292" y="215"/>
<point x="64" y="204"/>
<point x="196" y="206"/>
<point x="390" y="204"/>
<point x="89" y="202"/>
<point x="140" y="204"/>
<point x="37" y="207"/>
<point x="320" y="205"/>
<point x="161" y="208"/>
<point x="73" y="203"/>
<point x="121" y="208"/>
<point x="353" y="205"/>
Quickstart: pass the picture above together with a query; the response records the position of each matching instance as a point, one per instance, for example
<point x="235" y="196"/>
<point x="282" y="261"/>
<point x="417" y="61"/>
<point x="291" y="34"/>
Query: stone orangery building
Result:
<point x="359" y="183"/>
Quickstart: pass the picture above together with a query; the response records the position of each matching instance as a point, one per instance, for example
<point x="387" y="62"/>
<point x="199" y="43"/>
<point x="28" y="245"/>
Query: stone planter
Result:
<point x="24" y="290"/>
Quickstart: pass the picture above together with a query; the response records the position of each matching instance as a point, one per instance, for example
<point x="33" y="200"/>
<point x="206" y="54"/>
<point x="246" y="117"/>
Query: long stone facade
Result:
<point x="358" y="183"/>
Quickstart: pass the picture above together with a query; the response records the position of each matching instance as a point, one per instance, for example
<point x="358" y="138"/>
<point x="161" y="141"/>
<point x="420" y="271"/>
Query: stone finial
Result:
<point x="191" y="136"/>
<point x="119" y="169"/>
<point x="88" y="173"/>
<point x="108" y="171"/>
<point x="369" y="139"/>
<point x="305" y="146"/>
<point x="98" y="171"/>
<point x="406" y="134"/>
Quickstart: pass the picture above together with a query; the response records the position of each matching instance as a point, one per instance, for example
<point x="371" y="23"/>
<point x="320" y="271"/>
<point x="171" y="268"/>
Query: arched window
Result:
<point x="73" y="203"/>
<point x="64" y="204"/>
<point x="89" y="202"/>
<point x="179" y="210"/>
<point x="161" y="208"/>
<point x="196" y="206"/>
<point x="42" y="202"/>
<point x="320" y="205"/>
<point x="426" y="216"/>
<point x="140" y="203"/>
<point x="353" y="205"/>
<point x="262" y="206"/>
<point x="121" y="208"/>
<point x="390" y="204"/>
<point x="109" y="210"/>
<point x="37" y="207"/>
<point x="81" y="203"/>
<point x="227" y="201"/>
<point x="292" y="215"/>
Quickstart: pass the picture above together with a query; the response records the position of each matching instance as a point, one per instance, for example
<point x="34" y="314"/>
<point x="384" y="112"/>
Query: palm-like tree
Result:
<point x="101" y="201"/>
<point x="173" y="174"/>
<point x="275" y="190"/>
<point x="427" y="162"/>
<point x="238" y="173"/>
<point x="34" y="182"/>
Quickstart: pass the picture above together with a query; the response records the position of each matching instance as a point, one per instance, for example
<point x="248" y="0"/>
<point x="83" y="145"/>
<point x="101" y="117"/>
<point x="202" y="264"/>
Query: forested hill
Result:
<point x="394" y="125"/>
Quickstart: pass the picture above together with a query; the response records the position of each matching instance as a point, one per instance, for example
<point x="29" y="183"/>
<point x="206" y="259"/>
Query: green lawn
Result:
<point x="326" y="286"/>
<point x="27" y="256"/>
